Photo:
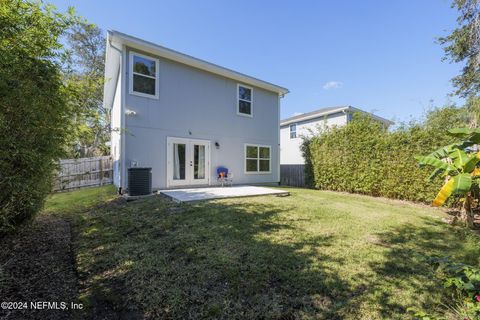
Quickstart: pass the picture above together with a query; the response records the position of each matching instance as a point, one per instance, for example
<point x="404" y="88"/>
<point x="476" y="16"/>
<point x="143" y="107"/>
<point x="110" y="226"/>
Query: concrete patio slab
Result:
<point x="198" y="194"/>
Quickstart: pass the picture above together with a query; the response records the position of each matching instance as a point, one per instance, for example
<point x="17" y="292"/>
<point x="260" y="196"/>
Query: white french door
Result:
<point x="188" y="162"/>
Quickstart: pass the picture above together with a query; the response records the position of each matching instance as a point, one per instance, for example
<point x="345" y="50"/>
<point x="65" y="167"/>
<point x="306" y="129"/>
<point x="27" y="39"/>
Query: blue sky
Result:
<point x="380" y="55"/>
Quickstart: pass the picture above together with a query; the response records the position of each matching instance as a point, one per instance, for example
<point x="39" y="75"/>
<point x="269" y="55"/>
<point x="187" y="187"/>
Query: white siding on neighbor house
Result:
<point x="196" y="104"/>
<point x="290" y="152"/>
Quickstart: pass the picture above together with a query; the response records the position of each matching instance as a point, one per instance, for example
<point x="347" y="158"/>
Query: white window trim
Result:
<point x="238" y="101"/>
<point x="131" y="73"/>
<point x="258" y="159"/>
<point x="290" y="130"/>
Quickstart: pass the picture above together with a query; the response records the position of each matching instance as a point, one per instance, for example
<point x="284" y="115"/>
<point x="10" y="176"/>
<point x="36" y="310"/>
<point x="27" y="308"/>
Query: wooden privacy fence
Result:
<point x="292" y="175"/>
<point x="83" y="172"/>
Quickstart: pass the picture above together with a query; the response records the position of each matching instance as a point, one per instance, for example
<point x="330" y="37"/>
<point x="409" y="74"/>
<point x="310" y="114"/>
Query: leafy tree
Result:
<point x="85" y="74"/>
<point x="87" y="43"/>
<point x="35" y="111"/>
<point x="450" y="116"/>
<point x="463" y="45"/>
<point x="473" y="108"/>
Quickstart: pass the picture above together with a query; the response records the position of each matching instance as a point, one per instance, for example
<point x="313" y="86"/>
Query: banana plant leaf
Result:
<point x="475" y="138"/>
<point x="462" y="183"/>
<point x="435" y="174"/>
<point x="472" y="162"/>
<point x="459" y="157"/>
<point x="475" y="172"/>
<point x="459" y="184"/>
<point x="443" y="194"/>
<point x="442" y="152"/>
<point x="472" y="135"/>
<point x="433" y="161"/>
<point x="460" y="132"/>
<point x="445" y="151"/>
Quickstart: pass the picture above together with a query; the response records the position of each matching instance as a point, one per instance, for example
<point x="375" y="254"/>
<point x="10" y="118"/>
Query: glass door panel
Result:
<point x="179" y="161"/>
<point x="198" y="162"/>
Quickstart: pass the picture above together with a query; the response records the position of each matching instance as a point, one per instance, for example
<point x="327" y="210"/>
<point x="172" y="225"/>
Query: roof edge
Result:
<point x="170" y="54"/>
<point x="381" y="119"/>
<point x="307" y="116"/>
<point x="311" y="116"/>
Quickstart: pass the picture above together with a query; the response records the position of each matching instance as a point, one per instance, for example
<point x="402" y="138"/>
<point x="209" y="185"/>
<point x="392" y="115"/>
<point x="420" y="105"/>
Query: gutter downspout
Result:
<point x="280" y="96"/>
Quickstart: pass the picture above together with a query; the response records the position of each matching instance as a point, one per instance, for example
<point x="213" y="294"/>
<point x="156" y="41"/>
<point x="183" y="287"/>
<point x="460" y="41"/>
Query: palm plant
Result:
<point x="458" y="164"/>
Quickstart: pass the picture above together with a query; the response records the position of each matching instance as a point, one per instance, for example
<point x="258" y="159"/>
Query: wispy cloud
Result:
<point x="332" y="85"/>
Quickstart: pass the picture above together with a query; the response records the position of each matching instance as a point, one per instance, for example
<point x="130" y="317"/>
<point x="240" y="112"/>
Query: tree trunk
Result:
<point x="466" y="215"/>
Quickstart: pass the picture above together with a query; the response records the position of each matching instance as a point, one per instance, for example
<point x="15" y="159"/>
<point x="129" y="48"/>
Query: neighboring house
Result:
<point x="184" y="117"/>
<point x="292" y="129"/>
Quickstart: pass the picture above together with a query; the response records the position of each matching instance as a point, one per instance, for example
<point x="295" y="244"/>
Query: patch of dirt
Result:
<point x="112" y="204"/>
<point x="36" y="265"/>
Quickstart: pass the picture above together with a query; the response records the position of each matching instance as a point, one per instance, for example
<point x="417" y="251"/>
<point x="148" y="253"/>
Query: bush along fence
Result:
<point x="364" y="157"/>
<point x="83" y="172"/>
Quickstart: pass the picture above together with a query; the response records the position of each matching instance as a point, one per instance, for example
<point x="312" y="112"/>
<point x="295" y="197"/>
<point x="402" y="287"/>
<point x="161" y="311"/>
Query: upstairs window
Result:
<point x="244" y="100"/>
<point x="143" y="75"/>
<point x="293" y="131"/>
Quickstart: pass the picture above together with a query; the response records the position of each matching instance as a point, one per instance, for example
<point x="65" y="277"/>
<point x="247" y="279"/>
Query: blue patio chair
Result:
<point x="224" y="176"/>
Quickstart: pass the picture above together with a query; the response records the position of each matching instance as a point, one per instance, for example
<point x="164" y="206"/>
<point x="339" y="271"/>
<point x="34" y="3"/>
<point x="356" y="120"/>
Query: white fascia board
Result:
<point x="112" y="72"/>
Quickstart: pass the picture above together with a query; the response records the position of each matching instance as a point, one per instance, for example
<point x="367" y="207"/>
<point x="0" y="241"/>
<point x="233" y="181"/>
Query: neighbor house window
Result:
<point x="257" y="159"/>
<point x="293" y="131"/>
<point x="244" y="101"/>
<point x="143" y="75"/>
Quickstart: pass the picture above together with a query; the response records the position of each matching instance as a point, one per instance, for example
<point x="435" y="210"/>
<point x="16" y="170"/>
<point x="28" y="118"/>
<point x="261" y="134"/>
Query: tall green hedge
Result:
<point x="34" y="109"/>
<point x="364" y="157"/>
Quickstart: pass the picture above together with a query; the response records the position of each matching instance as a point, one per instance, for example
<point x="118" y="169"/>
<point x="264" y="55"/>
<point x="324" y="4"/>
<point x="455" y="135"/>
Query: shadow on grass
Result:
<point x="405" y="266"/>
<point x="226" y="260"/>
<point x="246" y="260"/>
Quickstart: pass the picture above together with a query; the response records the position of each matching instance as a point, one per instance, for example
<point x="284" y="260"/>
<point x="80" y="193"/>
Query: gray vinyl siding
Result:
<point x="199" y="105"/>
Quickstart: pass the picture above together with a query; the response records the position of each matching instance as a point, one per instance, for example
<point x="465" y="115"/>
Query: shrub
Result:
<point x="462" y="289"/>
<point x="34" y="117"/>
<point x="364" y="157"/>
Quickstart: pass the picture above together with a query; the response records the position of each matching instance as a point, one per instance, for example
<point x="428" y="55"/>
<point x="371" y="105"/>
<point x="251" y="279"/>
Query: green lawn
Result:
<point x="312" y="255"/>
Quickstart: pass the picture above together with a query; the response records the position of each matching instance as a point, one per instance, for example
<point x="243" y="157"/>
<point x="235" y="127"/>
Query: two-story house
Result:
<point x="294" y="128"/>
<point x="184" y="117"/>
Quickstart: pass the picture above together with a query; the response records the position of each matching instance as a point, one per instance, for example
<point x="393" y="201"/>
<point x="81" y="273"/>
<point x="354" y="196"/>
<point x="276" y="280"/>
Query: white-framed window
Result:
<point x="258" y="158"/>
<point x="244" y="100"/>
<point x="293" y="131"/>
<point x="143" y="75"/>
